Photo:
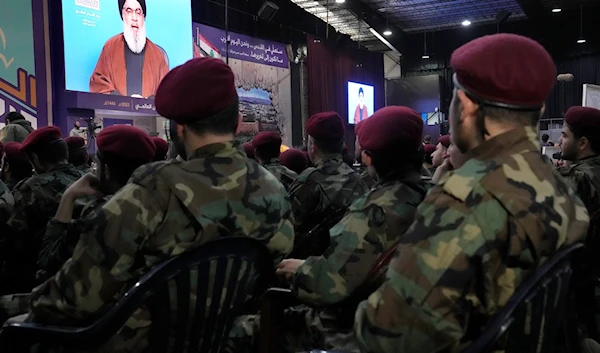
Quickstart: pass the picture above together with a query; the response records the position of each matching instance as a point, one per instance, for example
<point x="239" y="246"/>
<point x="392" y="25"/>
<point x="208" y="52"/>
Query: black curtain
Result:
<point x="585" y="69"/>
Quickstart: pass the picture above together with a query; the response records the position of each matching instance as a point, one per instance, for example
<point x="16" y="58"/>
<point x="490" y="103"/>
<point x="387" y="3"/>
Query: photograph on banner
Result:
<point x="124" y="47"/>
<point x="361" y="102"/>
<point x="262" y="78"/>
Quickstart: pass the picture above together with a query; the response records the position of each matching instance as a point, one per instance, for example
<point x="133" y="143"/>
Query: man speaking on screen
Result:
<point x="130" y="64"/>
<point x="361" y="112"/>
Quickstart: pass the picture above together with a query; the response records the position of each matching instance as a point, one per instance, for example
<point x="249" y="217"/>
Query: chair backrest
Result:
<point x="193" y="298"/>
<point x="530" y="320"/>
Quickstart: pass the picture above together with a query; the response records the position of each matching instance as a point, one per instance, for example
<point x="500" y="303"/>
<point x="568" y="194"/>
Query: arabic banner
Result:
<point x="22" y="61"/>
<point x="113" y="102"/>
<point x="211" y="42"/>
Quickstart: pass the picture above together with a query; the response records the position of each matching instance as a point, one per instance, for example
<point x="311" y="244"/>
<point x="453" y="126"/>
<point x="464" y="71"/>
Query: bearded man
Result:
<point x="130" y="64"/>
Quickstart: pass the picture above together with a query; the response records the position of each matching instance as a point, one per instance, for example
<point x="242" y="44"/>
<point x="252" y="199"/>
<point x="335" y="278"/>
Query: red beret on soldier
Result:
<point x="267" y="138"/>
<point x="582" y="120"/>
<point x="182" y="99"/>
<point x="161" y="149"/>
<point x="326" y="126"/>
<point x="294" y="159"/>
<point x="125" y="142"/>
<point x="445" y="140"/>
<point x="504" y="70"/>
<point x="429" y="149"/>
<point x="75" y="142"/>
<point x="39" y="138"/>
<point x="13" y="153"/>
<point x="391" y="129"/>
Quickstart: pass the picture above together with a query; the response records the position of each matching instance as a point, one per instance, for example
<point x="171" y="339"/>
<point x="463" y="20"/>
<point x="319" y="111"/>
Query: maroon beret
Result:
<point x="505" y="70"/>
<point x="391" y="128"/>
<point x="40" y="138"/>
<point x="127" y="142"/>
<point x="583" y="119"/>
<point x="198" y="89"/>
<point x="75" y="142"/>
<point x="294" y="159"/>
<point x="429" y="149"/>
<point x="326" y="126"/>
<point x="249" y="150"/>
<point x="444" y="140"/>
<point x="161" y="148"/>
<point x="13" y="153"/>
<point x="267" y="138"/>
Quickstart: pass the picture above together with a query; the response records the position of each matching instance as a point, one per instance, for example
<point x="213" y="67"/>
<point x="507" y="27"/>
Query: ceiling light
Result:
<point x="387" y="32"/>
<point x="466" y="23"/>
<point x="425" y="57"/>
<point x="581" y="40"/>
<point x="340" y="1"/>
<point x="556" y="10"/>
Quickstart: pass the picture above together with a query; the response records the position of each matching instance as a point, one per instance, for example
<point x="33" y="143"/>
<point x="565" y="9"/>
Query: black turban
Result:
<point x="122" y="3"/>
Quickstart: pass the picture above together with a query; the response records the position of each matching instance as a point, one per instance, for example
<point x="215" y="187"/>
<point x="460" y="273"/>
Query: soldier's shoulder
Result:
<point x="461" y="182"/>
<point x="149" y="174"/>
<point x="307" y="175"/>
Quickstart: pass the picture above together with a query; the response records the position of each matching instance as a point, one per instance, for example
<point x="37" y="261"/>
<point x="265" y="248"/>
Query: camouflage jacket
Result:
<point x="60" y="239"/>
<point x="285" y="175"/>
<point x="373" y="223"/>
<point x="166" y="209"/>
<point x="7" y="202"/>
<point x="85" y="168"/>
<point x="499" y="216"/>
<point x="367" y="179"/>
<point x="36" y="201"/>
<point x="317" y="192"/>
<point x="584" y="176"/>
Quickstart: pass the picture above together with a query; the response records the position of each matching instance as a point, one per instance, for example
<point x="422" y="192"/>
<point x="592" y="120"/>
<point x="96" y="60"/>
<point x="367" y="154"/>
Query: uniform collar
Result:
<point x="273" y="161"/>
<point x="330" y="159"/>
<point x="225" y="149"/>
<point x="523" y="138"/>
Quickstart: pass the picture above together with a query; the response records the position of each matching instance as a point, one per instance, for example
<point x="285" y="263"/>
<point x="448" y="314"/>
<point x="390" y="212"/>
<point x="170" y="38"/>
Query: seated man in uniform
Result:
<point x="295" y="160"/>
<point x="36" y="201"/>
<point x="329" y="187"/>
<point x="121" y="149"/>
<point x="373" y="224"/>
<point x="171" y="207"/>
<point x="491" y="223"/>
<point x="267" y="146"/>
<point x="15" y="166"/>
<point x="78" y="154"/>
<point x="162" y="148"/>
<point x="580" y="144"/>
<point x="130" y="64"/>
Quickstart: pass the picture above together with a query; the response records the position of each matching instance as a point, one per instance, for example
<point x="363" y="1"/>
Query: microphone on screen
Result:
<point x="565" y="77"/>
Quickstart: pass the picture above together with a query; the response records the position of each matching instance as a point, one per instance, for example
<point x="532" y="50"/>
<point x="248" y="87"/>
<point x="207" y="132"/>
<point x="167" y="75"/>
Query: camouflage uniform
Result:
<point x="7" y="202"/>
<point x="36" y="201"/>
<point x="85" y="168"/>
<point x="500" y="215"/>
<point x="373" y="223"/>
<point x="60" y="239"/>
<point x="319" y="191"/>
<point x="584" y="176"/>
<point x="166" y="209"/>
<point x="367" y="179"/>
<point x="281" y="172"/>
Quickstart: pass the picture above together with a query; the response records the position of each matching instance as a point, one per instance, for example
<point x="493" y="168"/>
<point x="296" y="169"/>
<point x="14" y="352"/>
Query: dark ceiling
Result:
<point x="408" y="19"/>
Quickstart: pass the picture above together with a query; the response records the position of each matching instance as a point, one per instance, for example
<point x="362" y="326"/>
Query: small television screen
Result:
<point x="124" y="47"/>
<point x="361" y="102"/>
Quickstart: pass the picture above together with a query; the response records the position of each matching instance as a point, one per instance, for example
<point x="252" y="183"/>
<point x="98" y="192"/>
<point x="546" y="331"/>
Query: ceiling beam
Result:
<point x="377" y="22"/>
<point x="533" y="9"/>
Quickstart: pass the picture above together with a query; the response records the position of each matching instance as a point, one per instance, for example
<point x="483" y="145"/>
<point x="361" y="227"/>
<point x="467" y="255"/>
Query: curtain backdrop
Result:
<point x="329" y="70"/>
<point x="585" y="68"/>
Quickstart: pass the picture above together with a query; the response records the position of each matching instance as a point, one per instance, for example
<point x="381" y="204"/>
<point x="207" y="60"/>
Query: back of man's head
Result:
<point x="267" y="146"/>
<point x="545" y="137"/>
<point x="123" y="149"/>
<point x="45" y="148"/>
<point x="14" y="116"/>
<point x="78" y="154"/>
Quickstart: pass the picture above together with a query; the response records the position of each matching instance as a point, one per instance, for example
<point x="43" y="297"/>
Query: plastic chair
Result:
<point x="226" y="272"/>
<point x="530" y="320"/>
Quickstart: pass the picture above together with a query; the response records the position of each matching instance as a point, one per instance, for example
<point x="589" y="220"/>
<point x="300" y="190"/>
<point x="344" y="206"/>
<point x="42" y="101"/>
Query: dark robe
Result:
<point x="110" y="75"/>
